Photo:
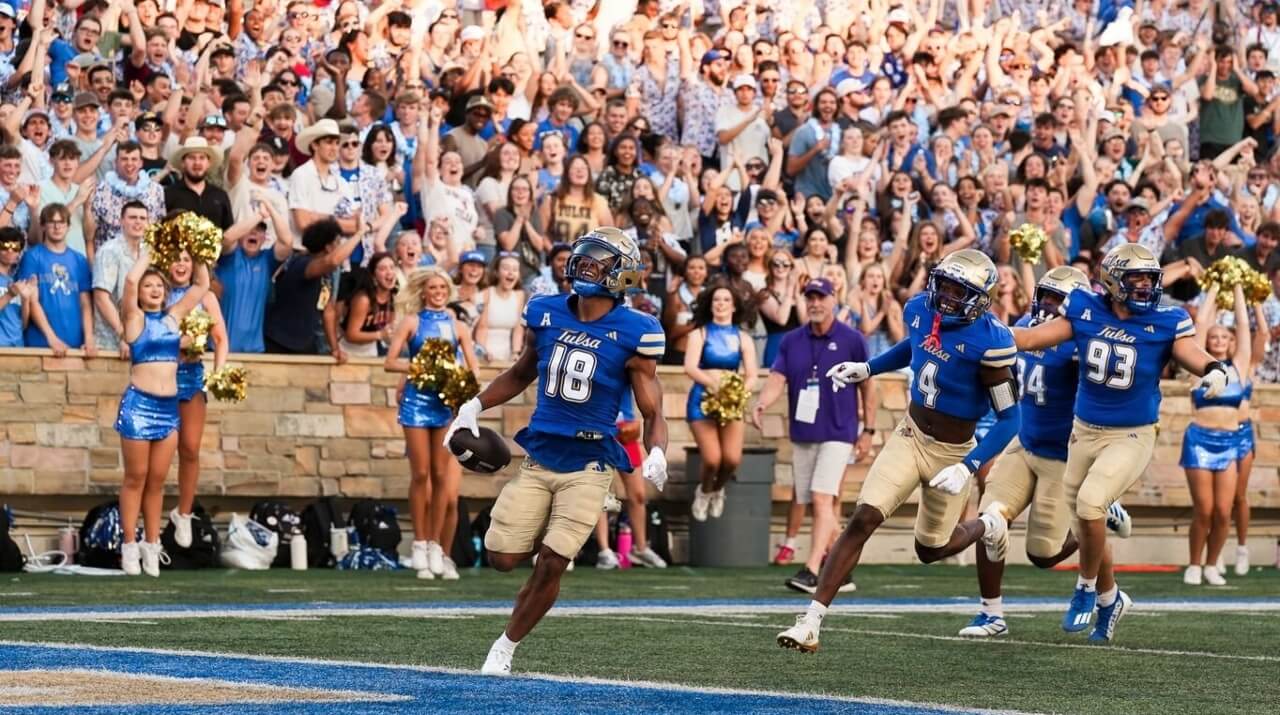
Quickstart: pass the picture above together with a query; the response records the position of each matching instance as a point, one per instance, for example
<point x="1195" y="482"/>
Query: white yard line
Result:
<point x="574" y="680"/>
<point x="957" y="639"/>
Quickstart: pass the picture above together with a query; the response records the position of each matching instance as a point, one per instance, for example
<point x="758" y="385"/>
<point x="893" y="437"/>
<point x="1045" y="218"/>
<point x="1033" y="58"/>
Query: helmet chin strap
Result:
<point x="587" y="289"/>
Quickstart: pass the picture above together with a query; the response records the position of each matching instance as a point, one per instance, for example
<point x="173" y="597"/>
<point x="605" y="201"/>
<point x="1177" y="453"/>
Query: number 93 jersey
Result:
<point x="1121" y="360"/>
<point x="582" y="380"/>
<point x="945" y="376"/>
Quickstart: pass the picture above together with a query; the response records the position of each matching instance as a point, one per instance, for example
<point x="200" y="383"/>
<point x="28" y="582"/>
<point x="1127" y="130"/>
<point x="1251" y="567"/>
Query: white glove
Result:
<point x="952" y="479"/>
<point x="1214" y="381"/>
<point x="848" y="373"/>
<point x="466" y="419"/>
<point x="655" y="468"/>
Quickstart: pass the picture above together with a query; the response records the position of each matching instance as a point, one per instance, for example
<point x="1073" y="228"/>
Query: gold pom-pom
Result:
<point x="1028" y="240"/>
<point x="1231" y="271"/>
<point x="196" y="325"/>
<point x="228" y="384"/>
<point x="436" y="369"/>
<point x="729" y="402"/>
<point x="187" y="231"/>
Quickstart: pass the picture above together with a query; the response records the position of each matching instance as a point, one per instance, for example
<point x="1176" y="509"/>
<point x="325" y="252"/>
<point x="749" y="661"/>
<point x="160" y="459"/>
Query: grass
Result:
<point x="1161" y="660"/>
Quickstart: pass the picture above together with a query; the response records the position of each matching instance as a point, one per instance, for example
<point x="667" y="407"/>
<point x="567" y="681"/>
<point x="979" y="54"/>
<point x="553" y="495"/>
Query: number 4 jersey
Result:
<point x="1121" y="360"/>
<point x="945" y="377"/>
<point x="582" y="380"/>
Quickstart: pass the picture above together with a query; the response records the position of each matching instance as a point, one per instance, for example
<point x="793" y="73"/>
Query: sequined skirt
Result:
<point x="147" y="417"/>
<point x="423" y="409"/>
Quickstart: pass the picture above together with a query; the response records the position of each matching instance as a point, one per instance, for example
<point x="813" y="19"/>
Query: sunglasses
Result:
<point x="349" y="145"/>
<point x="766" y="202"/>
<point x="621" y="43"/>
<point x="1011" y="102"/>
<point x="581" y="36"/>
<point x="796" y="90"/>
<point x="780" y="264"/>
<point x="287" y="82"/>
<point x="755" y="166"/>
<point x="1160" y="98"/>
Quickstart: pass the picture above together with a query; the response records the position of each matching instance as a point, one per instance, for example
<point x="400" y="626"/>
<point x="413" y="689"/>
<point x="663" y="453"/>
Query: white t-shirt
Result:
<point x="751" y="143"/>
<point x="458" y="203"/>
<point x="308" y="191"/>
<point x="843" y="167"/>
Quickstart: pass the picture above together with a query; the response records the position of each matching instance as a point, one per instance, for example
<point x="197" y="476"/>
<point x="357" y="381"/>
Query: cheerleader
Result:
<point x="1211" y="444"/>
<point x="192" y="402"/>
<point x="716" y="347"/>
<point x="425" y="418"/>
<point x="148" y="417"/>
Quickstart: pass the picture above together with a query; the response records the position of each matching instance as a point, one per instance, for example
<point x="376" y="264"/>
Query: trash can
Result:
<point x="740" y="537"/>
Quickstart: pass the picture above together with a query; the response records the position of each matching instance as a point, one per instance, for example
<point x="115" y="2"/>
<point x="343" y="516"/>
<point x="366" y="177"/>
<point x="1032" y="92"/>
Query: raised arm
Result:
<point x="1044" y="335"/>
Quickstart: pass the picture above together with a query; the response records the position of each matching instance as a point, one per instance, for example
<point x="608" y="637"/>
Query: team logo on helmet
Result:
<point x="605" y="261"/>
<point x="1123" y="271"/>
<point x="1058" y="282"/>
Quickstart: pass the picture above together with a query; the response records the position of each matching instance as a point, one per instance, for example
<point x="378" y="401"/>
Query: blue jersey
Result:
<point x="1121" y="360"/>
<point x="582" y="379"/>
<point x="946" y="378"/>
<point x="1048" y="380"/>
<point x="722" y="349"/>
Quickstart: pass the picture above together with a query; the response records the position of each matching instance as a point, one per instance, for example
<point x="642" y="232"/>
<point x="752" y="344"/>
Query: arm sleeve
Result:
<point x="895" y="358"/>
<point x="1006" y="427"/>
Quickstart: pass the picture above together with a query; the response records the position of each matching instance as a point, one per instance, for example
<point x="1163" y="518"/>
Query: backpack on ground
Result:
<point x="318" y="520"/>
<point x="657" y="534"/>
<point x="278" y="517"/>
<point x="362" y="557"/>
<point x="376" y="527"/>
<point x="203" y="552"/>
<point x="11" y="558"/>
<point x="101" y="535"/>
<point x="250" y="545"/>
<point x="463" y="552"/>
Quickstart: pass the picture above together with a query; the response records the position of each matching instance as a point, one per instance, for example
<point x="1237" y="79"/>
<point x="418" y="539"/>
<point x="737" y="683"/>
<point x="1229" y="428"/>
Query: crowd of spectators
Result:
<point x="756" y="145"/>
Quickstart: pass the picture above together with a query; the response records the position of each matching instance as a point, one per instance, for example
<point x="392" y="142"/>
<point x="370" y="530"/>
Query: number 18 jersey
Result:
<point x="582" y="379"/>
<point x="945" y="377"/>
<point x="1121" y="360"/>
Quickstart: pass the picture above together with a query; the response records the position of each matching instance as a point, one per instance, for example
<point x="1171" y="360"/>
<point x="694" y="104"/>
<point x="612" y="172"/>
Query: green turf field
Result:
<point x="1199" y="661"/>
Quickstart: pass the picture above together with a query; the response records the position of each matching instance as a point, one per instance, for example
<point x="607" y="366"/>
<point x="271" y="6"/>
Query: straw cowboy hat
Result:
<point x="196" y="145"/>
<point x="319" y="130"/>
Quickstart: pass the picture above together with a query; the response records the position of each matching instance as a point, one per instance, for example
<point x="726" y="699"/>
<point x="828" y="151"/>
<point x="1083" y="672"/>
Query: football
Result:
<point x="486" y="454"/>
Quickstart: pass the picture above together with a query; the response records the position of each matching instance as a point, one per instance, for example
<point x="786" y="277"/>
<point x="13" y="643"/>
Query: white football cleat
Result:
<point x="701" y="503"/>
<point x="498" y="662"/>
<point x="1213" y="576"/>
<point x="181" y="528"/>
<point x="450" y="572"/>
<point x="152" y="556"/>
<point x="419" y="562"/>
<point x="1119" y="521"/>
<point x="647" y="558"/>
<point x="130" y="558"/>
<point x="803" y="636"/>
<point x="716" y="509"/>
<point x="435" y="558"/>
<point x="985" y="625"/>
<point x="996" y="537"/>
<point x="1193" y="576"/>
<point x="1242" y="560"/>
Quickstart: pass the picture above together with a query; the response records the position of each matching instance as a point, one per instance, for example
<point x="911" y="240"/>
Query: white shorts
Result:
<point x="818" y="467"/>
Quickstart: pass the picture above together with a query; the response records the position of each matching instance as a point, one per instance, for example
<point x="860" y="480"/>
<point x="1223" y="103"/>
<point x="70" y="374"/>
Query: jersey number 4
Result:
<point x="569" y="373"/>
<point x="1118" y="376"/>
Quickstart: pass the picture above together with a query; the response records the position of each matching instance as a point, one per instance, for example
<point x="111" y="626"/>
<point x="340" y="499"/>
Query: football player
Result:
<point x="1029" y="471"/>
<point x="1123" y="338"/>
<point x="584" y="349"/>
<point x="959" y="353"/>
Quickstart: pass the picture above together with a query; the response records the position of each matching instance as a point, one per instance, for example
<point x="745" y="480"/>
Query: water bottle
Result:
<point x="624" y="546"/>
<point x="298" y="552"/>
<point x="338" y="544"/>
<point x="479" y="547"/>
<point x="69" y="542"/>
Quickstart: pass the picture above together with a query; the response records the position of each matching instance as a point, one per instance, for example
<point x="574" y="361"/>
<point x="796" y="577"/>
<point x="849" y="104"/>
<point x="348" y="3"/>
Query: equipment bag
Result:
<point x="250" y="545"/>
<point x="11" y="558"/>
<point x="278" y="517"/>
<point x="101" y="536"/>
<point x="376" y="527"/>
<point x="205" y="542"/>
<point x="318" y="520"/>
<point x="657" y="534"/>
<point x="463" y="552"/>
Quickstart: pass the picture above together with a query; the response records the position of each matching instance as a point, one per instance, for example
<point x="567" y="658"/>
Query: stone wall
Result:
<point x="310" y="427"/>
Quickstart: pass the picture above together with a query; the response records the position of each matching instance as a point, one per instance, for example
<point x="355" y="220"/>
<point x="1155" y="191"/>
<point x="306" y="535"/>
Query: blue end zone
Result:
<point x="427" y="690"/>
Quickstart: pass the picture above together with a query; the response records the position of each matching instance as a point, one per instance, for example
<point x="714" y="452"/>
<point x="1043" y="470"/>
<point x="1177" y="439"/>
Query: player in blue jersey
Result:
<point x="961" y="358"/>
<point x="1123" y="338"/>
<point x="584" y="349"/>
<point x="1028" y="473"/>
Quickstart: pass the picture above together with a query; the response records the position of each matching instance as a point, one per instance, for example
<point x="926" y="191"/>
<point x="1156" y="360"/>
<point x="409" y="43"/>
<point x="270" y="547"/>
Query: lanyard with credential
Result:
<point x="807" y="404"/>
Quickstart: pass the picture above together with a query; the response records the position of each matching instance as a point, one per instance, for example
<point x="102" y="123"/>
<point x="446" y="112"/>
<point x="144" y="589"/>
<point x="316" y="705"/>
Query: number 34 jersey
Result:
<point x="1048" y="379"/>
<point x="945" y="376"/>
<point x="582" y="380"/>
<point x="1121" y="360"/>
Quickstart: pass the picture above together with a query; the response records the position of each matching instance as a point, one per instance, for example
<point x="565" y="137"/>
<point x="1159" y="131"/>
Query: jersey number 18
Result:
<point x="569" y="373"/>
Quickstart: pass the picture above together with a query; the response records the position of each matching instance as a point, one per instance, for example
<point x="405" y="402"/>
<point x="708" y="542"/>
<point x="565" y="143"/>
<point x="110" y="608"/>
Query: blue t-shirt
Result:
<point x="1121" y="360"/>
<point x="10" y="317"/>
<point x="946" y="378"/>
<point x="62" y="277"/>
<point x="582" y="379"/>
<point x="1048" y="379"/>
<point x="804" y="356"/>
<point x="246" y="283"/>
<point x="812" y="179"/>
<point x="568" y="131"/>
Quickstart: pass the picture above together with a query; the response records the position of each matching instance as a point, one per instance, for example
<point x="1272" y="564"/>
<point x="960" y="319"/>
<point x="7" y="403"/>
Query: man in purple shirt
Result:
<point x="824" y="423"/>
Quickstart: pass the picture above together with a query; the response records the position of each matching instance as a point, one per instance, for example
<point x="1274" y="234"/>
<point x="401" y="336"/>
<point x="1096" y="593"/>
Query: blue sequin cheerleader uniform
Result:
<point x="144" y="416"/>
<point x="418" y="408"/>
<point x="721" y="350"/>
<point x="1213" y="449"/>
<point x="190" y="374"/>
